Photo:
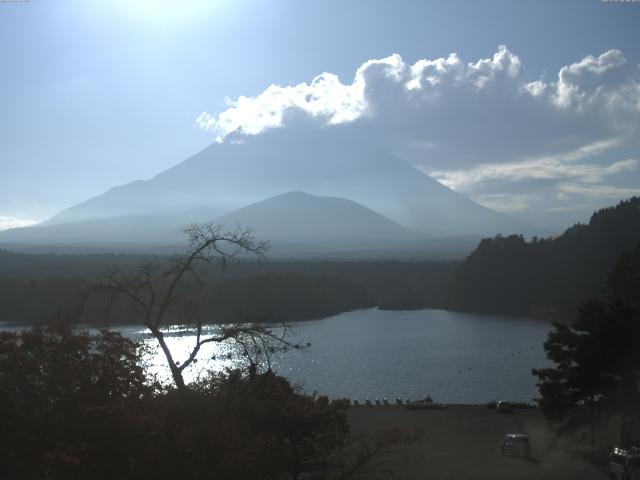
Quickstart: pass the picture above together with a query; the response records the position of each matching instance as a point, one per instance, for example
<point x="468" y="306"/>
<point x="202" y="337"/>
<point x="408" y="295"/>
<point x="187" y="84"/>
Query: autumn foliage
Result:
<point x="75" y="406"/>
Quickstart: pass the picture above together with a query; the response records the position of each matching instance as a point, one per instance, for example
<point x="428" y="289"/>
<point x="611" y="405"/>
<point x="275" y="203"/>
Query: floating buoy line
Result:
<point x="497" y="360"/>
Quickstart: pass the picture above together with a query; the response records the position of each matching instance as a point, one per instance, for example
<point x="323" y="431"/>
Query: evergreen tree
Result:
<point x="597" y="359"/>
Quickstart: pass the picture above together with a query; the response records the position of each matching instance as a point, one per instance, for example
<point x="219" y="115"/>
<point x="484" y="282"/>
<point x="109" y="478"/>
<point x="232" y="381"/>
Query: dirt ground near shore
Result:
<point x="463" y="443"/>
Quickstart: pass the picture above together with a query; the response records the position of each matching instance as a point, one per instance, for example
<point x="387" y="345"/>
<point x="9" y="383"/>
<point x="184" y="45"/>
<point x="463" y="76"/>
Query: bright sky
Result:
<point x="99" y="93"/>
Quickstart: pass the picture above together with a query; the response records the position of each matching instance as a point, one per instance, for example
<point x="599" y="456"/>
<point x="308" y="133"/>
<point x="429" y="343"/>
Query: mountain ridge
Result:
<point x="233" y="175"/>
<point x="293" y="221"/>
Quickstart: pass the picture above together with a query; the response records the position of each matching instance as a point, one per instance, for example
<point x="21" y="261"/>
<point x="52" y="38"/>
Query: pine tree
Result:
<point x="597" y="361"/>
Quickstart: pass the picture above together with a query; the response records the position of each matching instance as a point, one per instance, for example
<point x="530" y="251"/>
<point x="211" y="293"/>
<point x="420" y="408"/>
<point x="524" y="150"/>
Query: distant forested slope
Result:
<point x="45" y="288"/>
<point x="624" y="281"/>
<point x="548" y="276"/>
<point x="503" y="275"/>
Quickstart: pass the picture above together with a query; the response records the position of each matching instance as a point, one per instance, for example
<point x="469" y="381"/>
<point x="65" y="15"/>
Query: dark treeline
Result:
<point x="548" y="276"/>
<point x="44" y="288"/>
<point x="504" y="274"/>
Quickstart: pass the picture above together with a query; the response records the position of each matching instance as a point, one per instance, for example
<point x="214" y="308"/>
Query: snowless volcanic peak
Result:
<point x="231" y="175"/>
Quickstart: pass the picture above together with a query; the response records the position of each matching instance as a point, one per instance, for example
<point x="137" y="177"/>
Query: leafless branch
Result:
<point x="153" y="287"/>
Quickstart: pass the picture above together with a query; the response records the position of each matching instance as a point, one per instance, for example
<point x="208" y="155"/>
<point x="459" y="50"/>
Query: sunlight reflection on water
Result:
<point x="214" y="357"/>
<point x="454" y="357"/>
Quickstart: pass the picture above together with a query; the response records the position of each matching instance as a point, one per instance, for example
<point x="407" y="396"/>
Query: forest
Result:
<point x="45" y="288"/>
<point x="504" y="274"/>
<point x="552" y="276"/>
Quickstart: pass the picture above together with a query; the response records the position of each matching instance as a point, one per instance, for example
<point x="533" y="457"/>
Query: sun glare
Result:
<point x="167" y="12"/>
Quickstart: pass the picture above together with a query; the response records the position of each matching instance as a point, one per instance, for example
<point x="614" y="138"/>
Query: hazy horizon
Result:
<point x="542" y="126"/>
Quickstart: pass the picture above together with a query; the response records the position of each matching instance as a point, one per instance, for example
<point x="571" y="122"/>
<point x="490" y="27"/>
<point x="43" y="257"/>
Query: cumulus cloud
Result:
<point x="12" y="222"/>
<point x="469" y="124"/>
<point x="594" y="79"/>
<point x="395" y="92"/>
<point x="324" y="97"/>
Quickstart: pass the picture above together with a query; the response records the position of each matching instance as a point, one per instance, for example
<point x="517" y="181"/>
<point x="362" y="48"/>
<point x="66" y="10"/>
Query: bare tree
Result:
<point x="154" y="288"/>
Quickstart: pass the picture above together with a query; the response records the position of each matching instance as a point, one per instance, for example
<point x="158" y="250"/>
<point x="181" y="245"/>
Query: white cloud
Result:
<point x="391" y="91"/>
<point x="584" y="82"/>
<point x="471" y="124"/>
<point x="12" y="222"/>
<point x="375" y="83"/>
<point x="604" y="192"/>
<point x="507" y="203"/>
<point x="324" y="97"/>
<point x="552" y="167"/>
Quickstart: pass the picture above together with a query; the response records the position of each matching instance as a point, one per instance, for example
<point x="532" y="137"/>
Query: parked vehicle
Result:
<point x="516" y="444"/>
<point x="504" y="407"/>
<point x="624" y="463"/>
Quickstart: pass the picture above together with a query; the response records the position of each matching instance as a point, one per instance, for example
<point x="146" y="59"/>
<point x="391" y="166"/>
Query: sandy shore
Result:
<point x="463" y="442"/>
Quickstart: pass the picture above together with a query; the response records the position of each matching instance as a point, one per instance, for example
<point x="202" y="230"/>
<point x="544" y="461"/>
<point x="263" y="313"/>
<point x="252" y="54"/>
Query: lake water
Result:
<point x="454" y="357"/>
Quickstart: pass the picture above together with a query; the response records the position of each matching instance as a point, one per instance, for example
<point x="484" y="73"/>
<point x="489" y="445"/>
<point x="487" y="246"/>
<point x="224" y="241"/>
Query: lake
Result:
<point x="454" y="357"/>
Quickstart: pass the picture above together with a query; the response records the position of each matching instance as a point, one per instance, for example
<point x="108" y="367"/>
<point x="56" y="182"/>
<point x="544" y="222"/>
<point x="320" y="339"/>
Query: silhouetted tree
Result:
<point x="153" y="288"/>
<point x="263" y="427"/>
<point x="69" y="404"/>
<point x="78" y="406"/>
<point x="597" y="359"/>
